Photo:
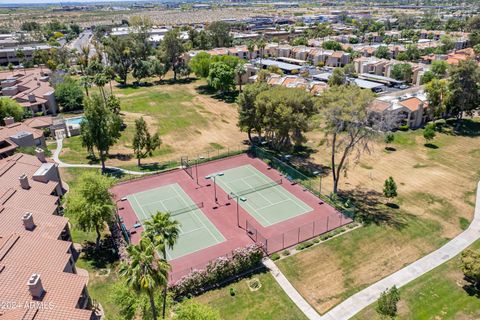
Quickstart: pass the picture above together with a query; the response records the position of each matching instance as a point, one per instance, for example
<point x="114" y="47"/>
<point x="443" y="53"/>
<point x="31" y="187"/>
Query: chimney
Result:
<point x="31" y="98"/>
<point x="28" y="221"/>
<point x="35" y="286"/>
<point x="40" y="153"/>
<point x="24" y="182"/>
<point x="8" y="121"/>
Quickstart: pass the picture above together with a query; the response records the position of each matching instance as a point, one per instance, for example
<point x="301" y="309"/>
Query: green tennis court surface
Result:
<point x="197" y="232"/>
<point x="268" y="202"/>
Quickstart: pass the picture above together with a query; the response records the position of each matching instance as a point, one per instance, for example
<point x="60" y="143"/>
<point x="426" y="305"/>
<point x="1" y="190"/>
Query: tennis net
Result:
<point x="186" y="166"/>
<point x="194" y="206"/>
<point x="233" y="195"/>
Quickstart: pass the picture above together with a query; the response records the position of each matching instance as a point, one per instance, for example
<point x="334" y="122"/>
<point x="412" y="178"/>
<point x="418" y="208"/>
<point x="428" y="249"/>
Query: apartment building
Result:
<point x="384" y="67"/>
<point x="18" y="134"/>
<point x="9" y="54"/>
<point x="410" y="110"/>
<point x="31" y="89"/>
<point x="37" y="259"/>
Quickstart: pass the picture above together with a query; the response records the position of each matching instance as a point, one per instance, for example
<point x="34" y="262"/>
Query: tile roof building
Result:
<point x="31" y="89"/>
<point x="38" y="277"/>
<point x="19" y="134"/>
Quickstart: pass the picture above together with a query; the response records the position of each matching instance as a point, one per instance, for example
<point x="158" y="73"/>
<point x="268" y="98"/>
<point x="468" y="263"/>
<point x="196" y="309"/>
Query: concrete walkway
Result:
<point x="62" y="164"/>
<point x="364" y="298"/>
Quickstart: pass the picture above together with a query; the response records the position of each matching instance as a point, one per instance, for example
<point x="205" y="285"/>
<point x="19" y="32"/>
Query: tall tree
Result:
<point x="239" y="73"/>
<point x="121" y="56"/>
<point x="402" y="71"/>
<point x="464" y="87"/>
<point x="91" y="203"/>
<point x="195" y="311"/>
<point x="219" y="32"/>
<point x="247" y="111"/>
<point x="163" y="231"/>
<point x="100" y="128"/>
<point x="349" y="125"/>
<point x="200" y="64"/>
<point x="429" y="132"/>
<point x="143" y="142"/>
<point x="144" y="271"/>
<point x="221" y="77"/>
<point x="285" y="115"/>
<point x="171" y="50"/>
<point x="438" y="97"/>
<point x="69" y="94"/>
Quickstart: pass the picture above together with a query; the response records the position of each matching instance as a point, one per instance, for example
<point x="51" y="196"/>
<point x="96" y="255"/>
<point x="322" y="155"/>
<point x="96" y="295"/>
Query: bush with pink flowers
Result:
<point x="217" y="271"/>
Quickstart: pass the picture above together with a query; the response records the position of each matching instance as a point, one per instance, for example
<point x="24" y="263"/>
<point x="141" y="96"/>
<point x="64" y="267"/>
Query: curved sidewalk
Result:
<point x="62" y="164"/>
<point x="364" y="298"/>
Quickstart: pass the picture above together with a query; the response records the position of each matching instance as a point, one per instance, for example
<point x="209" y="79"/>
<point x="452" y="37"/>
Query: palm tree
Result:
<point x="144" y="271"/>
<point x="100" y="80"/>
<point x="240" y="71"/>
<point x="250" y="48"/>
<point x="163" y="231"/>
<point x="86" y="82"/>
<point x="261" y="46"/>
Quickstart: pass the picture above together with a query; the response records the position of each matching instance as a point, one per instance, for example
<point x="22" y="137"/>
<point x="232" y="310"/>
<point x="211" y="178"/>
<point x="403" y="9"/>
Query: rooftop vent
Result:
<point x="40" y="153"/>
<point x="24" y="182"/>
<point x="35" y="286"/>
<point x="31" y="98"/>
<point x="28" y="221"/>
<point x="8" y="120"/>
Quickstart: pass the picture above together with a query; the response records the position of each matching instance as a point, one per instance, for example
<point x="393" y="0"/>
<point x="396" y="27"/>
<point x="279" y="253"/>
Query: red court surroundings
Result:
<point x="239" y="230"/>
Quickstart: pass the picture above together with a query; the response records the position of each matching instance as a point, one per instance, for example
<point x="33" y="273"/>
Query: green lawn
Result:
<point x="269" y="302"/>
<point x="167" y="108"/>
<point x="438" y="294"/>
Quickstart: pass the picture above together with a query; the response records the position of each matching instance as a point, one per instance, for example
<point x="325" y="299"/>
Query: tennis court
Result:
<point x="197" y="232"/>
<point x="263" y="198"/>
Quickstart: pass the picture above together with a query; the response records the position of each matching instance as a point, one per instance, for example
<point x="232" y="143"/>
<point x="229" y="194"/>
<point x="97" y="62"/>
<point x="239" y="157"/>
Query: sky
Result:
<point x="53" y="1"/>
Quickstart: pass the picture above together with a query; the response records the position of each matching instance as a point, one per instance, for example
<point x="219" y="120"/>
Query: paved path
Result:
<point x="62" y="164"/>
<point x="364" y="298"/>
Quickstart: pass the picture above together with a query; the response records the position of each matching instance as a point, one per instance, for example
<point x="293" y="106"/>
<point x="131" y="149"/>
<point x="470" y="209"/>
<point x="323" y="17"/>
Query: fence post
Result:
<point x="298" y="241"/>
<point x="327" y="222"/>
<point x="283" y="240"/>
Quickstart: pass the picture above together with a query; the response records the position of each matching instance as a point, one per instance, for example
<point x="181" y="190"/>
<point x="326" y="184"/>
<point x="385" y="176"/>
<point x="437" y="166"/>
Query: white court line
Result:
<point x="145" y="217"/>
<point x="147" y="204"/>
<point x="197" y="217"/>
<point x="273" y="204"/>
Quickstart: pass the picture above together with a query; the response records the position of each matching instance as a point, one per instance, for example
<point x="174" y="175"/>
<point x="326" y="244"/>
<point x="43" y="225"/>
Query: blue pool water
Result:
<point x="76" y="120"/>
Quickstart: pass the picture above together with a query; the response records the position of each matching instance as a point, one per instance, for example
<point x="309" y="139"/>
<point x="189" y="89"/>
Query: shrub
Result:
<point x="232" y="291"/>
<point x="286" y="252"/>
<point x="404" y="127"/>
<point x="220" y="269"/>
<point x="275" y="256"/>
<point x="316" y="240"/>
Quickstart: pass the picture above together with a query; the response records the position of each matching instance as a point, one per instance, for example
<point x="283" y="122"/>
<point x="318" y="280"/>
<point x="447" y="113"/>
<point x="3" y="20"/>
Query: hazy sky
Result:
<point x="50" y="1"/>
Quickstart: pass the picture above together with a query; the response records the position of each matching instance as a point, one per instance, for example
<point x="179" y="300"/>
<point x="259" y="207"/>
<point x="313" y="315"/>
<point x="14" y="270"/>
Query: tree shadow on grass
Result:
<point x="431" y="146"/>
<point x="470" y="288"/>
<point x="369" y="209"/>
<point x="103" y="257"/>
<point x="227" y="97"/>
<point x="464" y="127"/>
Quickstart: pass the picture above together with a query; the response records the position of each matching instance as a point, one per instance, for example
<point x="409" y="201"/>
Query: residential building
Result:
<point x="31" y="89"/>
<point x="37" y="258"/>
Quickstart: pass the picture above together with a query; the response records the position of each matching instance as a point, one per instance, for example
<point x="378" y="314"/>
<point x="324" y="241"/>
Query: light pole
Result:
<point x="214" y="177"/>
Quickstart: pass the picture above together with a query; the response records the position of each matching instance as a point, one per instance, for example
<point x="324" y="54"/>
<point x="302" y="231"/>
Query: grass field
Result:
<point x="178" y="113"/>
<point x="436" y="194"/>
<point x="439" y="294"/>
<point x="268" y="302"/>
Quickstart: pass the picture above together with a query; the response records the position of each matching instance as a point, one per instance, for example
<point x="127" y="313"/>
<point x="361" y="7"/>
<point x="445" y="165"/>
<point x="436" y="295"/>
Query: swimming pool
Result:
<point x="76" y="120"/>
